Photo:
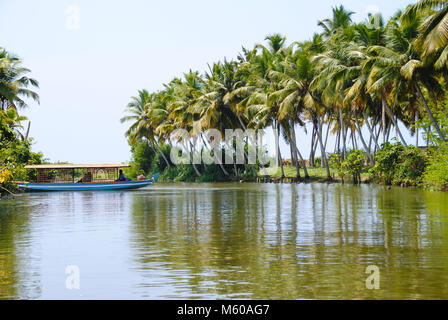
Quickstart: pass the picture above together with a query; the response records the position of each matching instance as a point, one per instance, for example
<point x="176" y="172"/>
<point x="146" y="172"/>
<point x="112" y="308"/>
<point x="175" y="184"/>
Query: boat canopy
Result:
<point x="75" y="173"/>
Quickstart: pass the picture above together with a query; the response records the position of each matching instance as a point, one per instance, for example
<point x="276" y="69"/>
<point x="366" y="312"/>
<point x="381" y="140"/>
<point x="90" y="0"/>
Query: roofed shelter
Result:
<point x="72" y="173"/>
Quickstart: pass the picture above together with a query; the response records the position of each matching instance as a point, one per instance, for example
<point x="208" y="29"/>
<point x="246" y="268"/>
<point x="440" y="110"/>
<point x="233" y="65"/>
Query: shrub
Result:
<point x="334" y="161"/>
<point x="353" y="165"/>
<point x="413" y="163"/>
<point x="436" y="173"/>
<point x="399" y="165"/>
<point x="158" y="163"/>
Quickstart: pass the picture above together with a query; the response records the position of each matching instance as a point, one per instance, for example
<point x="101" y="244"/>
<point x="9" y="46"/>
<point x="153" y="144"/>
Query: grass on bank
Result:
<point x="316" y="174"/>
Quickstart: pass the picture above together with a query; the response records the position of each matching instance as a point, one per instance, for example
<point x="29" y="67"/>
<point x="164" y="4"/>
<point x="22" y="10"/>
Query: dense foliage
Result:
<point x="436" y="174"/>
<point x="15" y="144"/>
<point x="360" y="82"/>
<point x="399" y="165"/>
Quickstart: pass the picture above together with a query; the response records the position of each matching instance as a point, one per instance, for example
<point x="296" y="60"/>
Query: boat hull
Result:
<point x="85" y="186"/>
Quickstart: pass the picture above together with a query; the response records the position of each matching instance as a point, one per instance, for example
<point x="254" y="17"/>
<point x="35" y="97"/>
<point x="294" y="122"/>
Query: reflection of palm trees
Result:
<point x="18" y="278"/>
<point x="298" y="241"/>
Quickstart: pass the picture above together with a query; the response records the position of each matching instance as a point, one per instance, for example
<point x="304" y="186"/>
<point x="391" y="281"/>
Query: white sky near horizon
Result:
<point x="88" y="72"/>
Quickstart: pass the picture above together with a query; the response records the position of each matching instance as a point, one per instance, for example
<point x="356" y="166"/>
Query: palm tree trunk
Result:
<point x="161" y="153"/>
<point x="344" y="135"/>
<point x="279" y="152"/>
<point x="192" y="159"/>
<point x="325" y="143"/>
<point x="28" y="131"/>
<point x="293" y="136"/>
<point x="219" y="160"/>
<point x="293" y="145"/>
<point x="276" y="130"/>
<point x="319" y="137"/>
<point x="396" y="129"/>
<point x="235" y="168"/>
<point x="372" y="134"/>
<point x="294" y="160"/>
<point x="372" y="161"/>
<point x="316" y="144"/>
<point x="322" y="151"/>
<point x="431" y="116"/>
<point x="311" y="158"/>
<point x="416" y="128"/>
<point x="383" y="120"/>
<point x="353" y="140"/>
<point x="326" y="135"/>
<point x="393" y="120"/>
<point x="377" y="130"/>
<point x="245" y="154"/>
<point x="336" y="144"/>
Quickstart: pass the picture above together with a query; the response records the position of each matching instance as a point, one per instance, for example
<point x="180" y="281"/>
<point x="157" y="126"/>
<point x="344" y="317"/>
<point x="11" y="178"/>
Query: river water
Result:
<point x="226" y="241"/>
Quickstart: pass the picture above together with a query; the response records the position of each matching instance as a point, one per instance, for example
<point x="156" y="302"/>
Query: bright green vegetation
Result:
<point x="399" y="165"/>
<point x="358" y="82"/>
<point x="317" y="173"/>
<point x="436" y="173"/>
<point x="395" y="164"/>
<point x="15" y="143"/>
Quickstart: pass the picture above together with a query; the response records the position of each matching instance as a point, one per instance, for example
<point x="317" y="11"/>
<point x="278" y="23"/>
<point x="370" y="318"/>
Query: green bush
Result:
<point x="397" y="164"/>
<point x="413" y="163"/>
<point x="353" y="165"/>
<point x="436" y="173"/>
<point x="158" y="163"/>
<point x="335" y="162"/>
<point x="146" y="161"/>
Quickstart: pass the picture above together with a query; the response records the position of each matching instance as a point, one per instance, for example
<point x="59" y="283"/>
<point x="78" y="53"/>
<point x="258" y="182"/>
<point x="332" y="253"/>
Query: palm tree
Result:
<point x="141" y="126"/>
<point x="294" y="76"/>
<point x="262" y="65"/>
<point x="340" y="20"/>
<point x="434" y="30"/>
<point x="13" y="121"/>
<point x="14" y="83"/>
<point x="180" y="102"/>
<point x="398" y="66"/>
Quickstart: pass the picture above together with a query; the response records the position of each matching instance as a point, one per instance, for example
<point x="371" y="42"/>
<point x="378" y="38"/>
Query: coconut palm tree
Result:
<point x="434" y="30"/>
<point x="14" y="84"/>
<point x="340" y="20"/>
<point x="183" y="96"/>
<point x="294" y="76"/>
<point x="13" y="121"/>
<point x="141" y="126"/>
<point x="398" y="66"/>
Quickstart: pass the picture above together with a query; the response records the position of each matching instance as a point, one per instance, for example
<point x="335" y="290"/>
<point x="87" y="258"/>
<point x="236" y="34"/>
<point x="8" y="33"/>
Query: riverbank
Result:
<point x="316" y="174"/>
<point x="268" y="175"/>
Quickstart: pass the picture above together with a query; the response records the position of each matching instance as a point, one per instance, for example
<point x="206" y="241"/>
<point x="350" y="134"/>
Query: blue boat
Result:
<point x="68" y="177"/>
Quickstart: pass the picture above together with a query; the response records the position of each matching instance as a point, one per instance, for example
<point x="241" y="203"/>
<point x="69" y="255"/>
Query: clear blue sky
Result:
<point x="87" y="74"/>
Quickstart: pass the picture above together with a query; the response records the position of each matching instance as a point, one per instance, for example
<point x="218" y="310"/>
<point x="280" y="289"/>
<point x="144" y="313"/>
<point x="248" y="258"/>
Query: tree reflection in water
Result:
<point x="291" y="241"/>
